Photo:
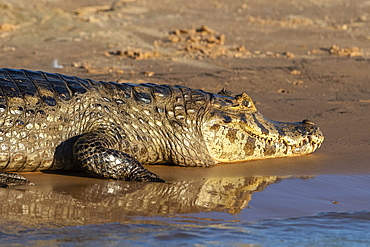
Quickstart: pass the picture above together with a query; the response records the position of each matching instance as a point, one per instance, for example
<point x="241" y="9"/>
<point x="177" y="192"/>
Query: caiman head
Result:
<point x="235" y="131"/>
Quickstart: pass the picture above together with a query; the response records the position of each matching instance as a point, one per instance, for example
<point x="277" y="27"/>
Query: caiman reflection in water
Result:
<point x="103" y="201"/>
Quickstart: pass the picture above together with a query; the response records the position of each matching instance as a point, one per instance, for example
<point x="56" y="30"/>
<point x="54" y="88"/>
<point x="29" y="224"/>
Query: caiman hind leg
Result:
<point x="95" y="153"/>
<point x="7" y="179"/>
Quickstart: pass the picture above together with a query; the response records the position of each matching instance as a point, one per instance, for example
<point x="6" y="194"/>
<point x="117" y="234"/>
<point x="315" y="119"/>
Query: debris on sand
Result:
<point x="295" y="72"/>
<point x="203" y="35"/>
<point x="192" y="43"/>
<point x="204" y="42"/>
<point x="345" y="52"/>
<point x="289" y="54"/>
<point x="197" y="42"/>
<point x="136" y="54"/>
<point x="149" y="73"/>
<point x="56" y="65"/>
<point x="7" y="27"/>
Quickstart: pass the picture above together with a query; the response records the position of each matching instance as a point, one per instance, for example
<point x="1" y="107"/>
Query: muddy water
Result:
<point x="319" y="230"/>
<point x="327" y="210"/>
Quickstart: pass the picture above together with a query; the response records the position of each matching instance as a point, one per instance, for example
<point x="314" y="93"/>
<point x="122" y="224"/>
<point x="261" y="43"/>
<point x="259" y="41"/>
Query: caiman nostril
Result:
<point x="306" y="121"/>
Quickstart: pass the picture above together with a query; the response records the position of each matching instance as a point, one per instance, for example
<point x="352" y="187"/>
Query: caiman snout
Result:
<point x="315" y="137"/>
<point x="300" y="138"/>
<point x="250" y="136"/>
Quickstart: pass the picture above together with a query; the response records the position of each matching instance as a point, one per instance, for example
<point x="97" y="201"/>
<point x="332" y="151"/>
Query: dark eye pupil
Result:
<point x="246" y="103"/>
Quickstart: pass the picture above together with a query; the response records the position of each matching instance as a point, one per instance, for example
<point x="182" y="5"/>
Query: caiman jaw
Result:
<point x="307" y="144"/>
<point x="252" y="136"/>
<point x="299" y="138"/>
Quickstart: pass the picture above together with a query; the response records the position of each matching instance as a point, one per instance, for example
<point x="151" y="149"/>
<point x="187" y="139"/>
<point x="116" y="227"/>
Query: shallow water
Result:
<point x="325" y="229"/>
<point x="327" y="210"/>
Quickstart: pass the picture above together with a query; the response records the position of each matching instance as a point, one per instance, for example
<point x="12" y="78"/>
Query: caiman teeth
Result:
<point x="304" y="141"/>
<point x="314" y="146"/>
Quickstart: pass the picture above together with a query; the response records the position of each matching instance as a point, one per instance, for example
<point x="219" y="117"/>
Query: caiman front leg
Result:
<point x="7" y="179"/>
<point x="95" y="153"/>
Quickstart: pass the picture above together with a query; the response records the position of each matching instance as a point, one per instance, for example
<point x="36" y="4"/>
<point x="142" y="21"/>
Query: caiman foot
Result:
<point x="7" y="179"/>
<point x="141" y="174"/>
<point x="95" y="155"/>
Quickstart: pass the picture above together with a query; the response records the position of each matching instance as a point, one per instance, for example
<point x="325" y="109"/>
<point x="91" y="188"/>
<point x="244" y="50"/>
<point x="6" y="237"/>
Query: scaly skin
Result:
<point x="51" y="121"/>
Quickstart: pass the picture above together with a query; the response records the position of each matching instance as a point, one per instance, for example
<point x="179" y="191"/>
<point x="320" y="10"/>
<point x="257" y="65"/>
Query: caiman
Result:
<point x="58" y="122"/>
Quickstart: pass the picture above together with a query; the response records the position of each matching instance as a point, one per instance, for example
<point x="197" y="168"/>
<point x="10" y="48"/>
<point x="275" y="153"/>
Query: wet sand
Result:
<point x="297" y="60"/>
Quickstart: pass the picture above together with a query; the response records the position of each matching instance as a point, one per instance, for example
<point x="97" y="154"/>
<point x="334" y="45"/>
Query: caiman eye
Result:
<point x="227" y="119"/>
<point x="246" y="103"/>
<point x="243" y="101"/>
